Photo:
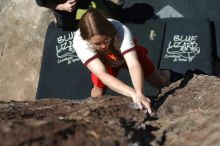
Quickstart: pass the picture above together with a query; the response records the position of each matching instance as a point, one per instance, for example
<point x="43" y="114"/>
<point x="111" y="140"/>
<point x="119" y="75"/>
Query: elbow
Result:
<point x="102" y="75"/>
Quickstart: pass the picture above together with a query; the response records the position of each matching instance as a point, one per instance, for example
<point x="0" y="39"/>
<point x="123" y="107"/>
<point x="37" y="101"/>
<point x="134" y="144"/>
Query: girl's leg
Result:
<point x="99" y="87"/>
<point x="157" y="78"/>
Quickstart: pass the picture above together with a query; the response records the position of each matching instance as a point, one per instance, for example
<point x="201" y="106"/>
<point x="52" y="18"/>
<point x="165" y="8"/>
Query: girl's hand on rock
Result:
<point x="143" y="102"/>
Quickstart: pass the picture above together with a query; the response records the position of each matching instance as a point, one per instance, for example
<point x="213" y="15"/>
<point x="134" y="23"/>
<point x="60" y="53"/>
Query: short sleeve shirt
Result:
<point x="86" y="52"/>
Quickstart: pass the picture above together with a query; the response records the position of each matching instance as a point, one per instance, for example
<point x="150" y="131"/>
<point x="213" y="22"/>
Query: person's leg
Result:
<point x="156" y="78"/>
<point x="159" y="78"/>
<point x="99" y="87"/>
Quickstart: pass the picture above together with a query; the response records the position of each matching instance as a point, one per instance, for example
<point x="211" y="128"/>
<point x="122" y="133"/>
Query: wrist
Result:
<point x="139" y="93"/>
<point x="132" y="93"/>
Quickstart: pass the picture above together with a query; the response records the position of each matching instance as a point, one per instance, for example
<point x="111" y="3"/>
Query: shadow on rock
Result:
<point x="184" y="82"/>
<point x="140" y="135"/>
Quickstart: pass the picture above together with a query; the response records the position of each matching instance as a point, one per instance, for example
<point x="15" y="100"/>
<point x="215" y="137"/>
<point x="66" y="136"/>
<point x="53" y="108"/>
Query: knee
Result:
<point x="96" y="91"/>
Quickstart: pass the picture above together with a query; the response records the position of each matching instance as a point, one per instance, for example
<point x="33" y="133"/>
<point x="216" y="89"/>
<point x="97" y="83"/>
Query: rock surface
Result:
<point x="187" y="113"/>
<point x="22" y="31"/>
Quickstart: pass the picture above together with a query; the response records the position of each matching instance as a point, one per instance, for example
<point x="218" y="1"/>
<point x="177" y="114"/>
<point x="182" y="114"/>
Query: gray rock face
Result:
<point x="22" y="30"/>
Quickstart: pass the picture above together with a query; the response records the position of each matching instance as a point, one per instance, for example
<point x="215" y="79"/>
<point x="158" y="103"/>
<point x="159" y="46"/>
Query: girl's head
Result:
<point x="96" y="29"/>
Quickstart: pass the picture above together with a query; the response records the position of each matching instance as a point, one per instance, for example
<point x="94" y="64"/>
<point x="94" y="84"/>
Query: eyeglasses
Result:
<point x="99" y="44"/>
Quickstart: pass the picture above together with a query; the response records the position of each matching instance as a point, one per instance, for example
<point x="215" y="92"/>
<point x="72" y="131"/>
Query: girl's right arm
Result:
<point x="97" y="67"/>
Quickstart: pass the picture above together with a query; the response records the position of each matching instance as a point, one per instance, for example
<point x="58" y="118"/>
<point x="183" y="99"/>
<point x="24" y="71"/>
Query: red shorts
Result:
<point x="146" y="64"/>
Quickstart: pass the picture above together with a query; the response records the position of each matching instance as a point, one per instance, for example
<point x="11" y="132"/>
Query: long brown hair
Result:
<point x="93" y="23"/>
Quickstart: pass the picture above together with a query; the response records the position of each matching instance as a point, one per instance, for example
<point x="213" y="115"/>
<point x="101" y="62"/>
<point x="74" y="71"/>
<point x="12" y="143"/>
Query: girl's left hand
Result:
<point x="142" y="102"/>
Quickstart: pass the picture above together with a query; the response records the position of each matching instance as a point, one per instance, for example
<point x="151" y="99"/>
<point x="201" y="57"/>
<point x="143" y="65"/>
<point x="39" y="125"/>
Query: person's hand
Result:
<point x="69" y="5"/>
<point x="143" y="102"/>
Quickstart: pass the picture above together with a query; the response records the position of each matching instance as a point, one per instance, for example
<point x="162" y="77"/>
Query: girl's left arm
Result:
<point x="137" y="78"/>
<point x="135" y="71"/>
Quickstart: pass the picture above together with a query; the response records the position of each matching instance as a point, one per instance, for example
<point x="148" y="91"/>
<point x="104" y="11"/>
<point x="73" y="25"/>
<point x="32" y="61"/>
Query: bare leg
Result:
<point x="96" y="91"/>
<point x="159" y="78"/>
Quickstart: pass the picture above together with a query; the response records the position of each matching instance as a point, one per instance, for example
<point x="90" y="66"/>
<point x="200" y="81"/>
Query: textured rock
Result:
<point x="22" y="30"/>
<point x="187" y="113"/>
<point x="190" y="114"/>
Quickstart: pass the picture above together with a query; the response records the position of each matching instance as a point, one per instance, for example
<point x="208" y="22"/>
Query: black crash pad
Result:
<point x="62" y="74"/>
<point x="217" y="35"/>
<point x="187" y="45"/>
